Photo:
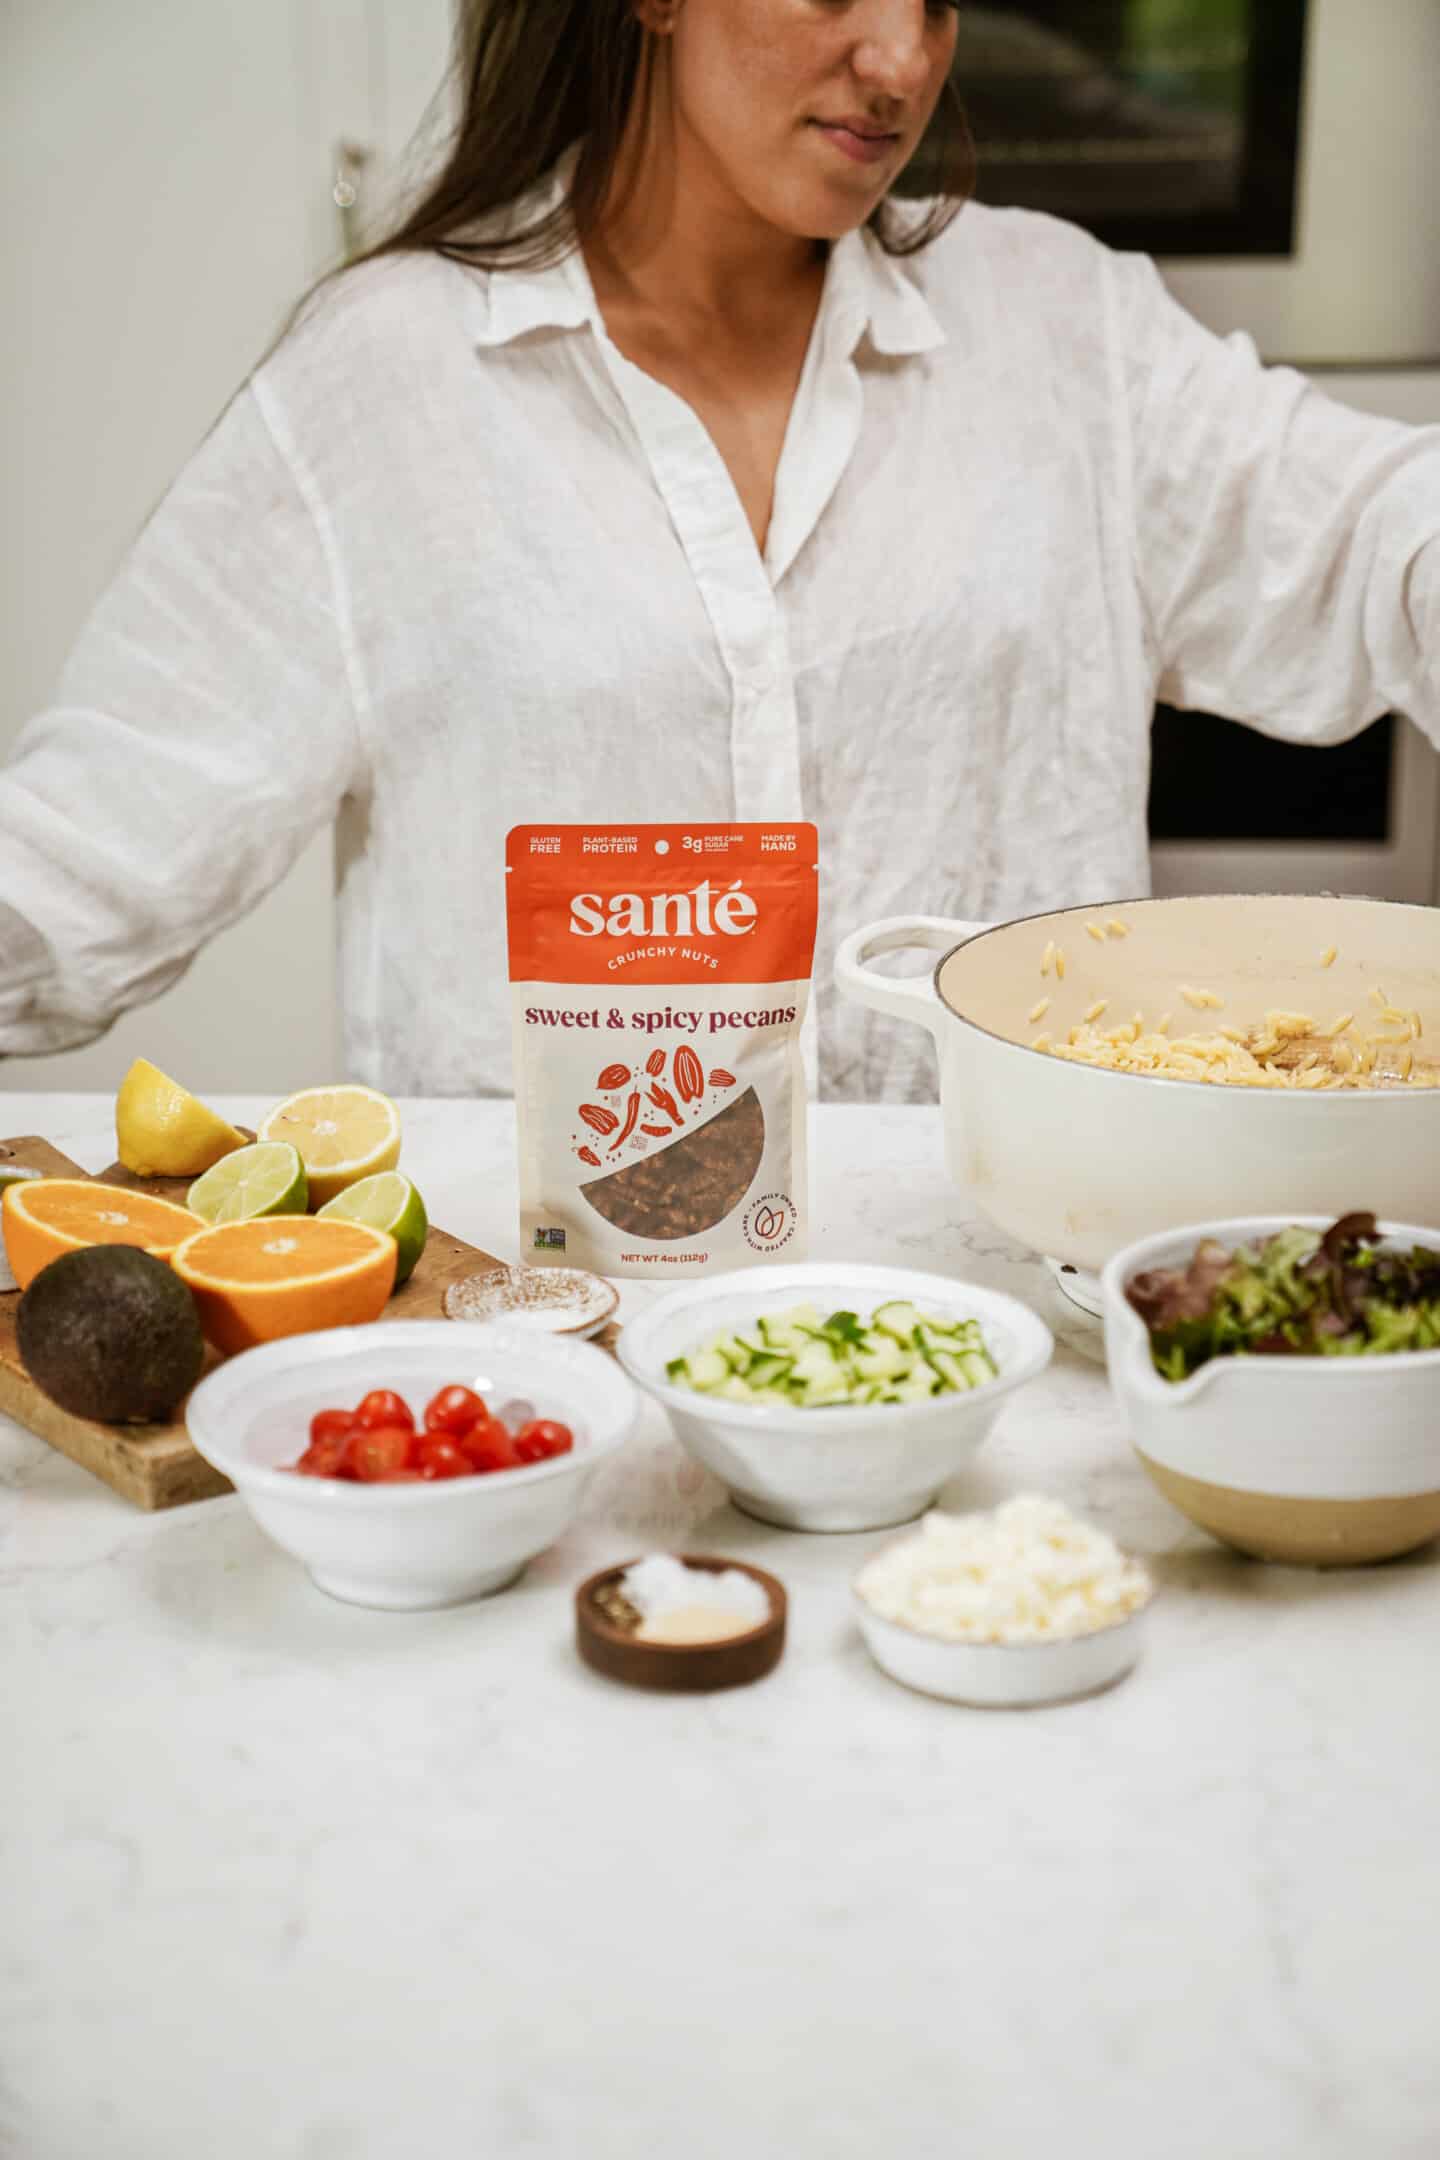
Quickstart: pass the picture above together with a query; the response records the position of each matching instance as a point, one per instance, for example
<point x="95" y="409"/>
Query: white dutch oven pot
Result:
<point x="1077" y="1161"/>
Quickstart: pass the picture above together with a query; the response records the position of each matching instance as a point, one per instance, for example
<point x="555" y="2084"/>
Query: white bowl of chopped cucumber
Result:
<point x="830" y="1397"/>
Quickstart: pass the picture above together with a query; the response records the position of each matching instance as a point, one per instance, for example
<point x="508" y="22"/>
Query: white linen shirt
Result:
<point x="449" y="563"/>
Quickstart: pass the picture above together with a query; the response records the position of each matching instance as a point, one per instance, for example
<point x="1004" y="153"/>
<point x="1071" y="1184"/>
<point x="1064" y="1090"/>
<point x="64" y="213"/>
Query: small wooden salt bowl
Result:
<point x="680" y="1668"/>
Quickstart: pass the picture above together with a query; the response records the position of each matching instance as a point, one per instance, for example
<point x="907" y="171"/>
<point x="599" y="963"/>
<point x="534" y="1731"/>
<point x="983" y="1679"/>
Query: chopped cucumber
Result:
<point x="765" y="1371"/>
<point x="797" y="1358"/>
<point x="899" y="1319"/>
<point x="708" y="1369"/>
<point x="885" y="1362"/>
<point x="817" y="1361"/>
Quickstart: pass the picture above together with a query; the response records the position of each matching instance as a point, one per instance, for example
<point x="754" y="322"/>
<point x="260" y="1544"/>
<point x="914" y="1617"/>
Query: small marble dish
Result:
<point x="609" y="1643"/>
<point x="551" y="1301"/>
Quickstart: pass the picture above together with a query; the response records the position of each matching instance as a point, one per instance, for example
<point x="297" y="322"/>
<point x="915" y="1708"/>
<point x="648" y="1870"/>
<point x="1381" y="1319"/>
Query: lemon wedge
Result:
<point x="162" y="1130"/>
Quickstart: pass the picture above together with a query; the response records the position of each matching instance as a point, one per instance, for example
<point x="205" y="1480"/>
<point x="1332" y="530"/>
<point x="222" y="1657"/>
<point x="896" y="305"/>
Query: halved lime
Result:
<point x="266" y="1179"/>
<point x="387" y="1202"/>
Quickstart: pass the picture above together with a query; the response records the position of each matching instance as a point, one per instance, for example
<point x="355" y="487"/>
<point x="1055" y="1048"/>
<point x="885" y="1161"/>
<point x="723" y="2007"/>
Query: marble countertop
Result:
<point x="283" y="1879"/>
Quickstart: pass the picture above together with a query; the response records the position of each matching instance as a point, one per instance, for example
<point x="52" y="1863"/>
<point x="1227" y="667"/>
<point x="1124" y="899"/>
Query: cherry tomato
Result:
<point x="454" y="1410"/>
<point x="376" y="1452"/>
<point x="330" y="1424"/>
<point x="438" y="1456"/>
<point x="382" y="1406"/>
<point x="489" y="1446"/>
<point x="542" y="1438"/>
<point x="325" y="1457"/>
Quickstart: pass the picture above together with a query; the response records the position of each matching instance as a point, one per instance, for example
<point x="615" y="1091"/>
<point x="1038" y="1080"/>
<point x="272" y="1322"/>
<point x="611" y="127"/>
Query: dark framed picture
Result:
<point x="1171" y="126"/>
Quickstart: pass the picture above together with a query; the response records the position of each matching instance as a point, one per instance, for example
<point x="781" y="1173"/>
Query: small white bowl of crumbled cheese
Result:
<point x="1024" y="1605"/>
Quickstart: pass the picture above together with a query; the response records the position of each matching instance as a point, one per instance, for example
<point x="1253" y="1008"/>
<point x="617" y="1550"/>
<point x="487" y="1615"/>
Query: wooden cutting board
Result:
<point x="156" y="1466"/>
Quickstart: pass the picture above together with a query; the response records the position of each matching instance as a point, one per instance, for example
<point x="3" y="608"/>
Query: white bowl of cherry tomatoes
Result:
<point x="413" y="1463"/>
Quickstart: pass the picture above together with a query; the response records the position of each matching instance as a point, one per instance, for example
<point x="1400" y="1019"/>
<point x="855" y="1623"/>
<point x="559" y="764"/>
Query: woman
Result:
<point x="659" y="470"/>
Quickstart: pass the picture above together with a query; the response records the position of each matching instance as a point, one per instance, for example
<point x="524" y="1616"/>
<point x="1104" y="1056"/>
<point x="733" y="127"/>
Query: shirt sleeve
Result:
<point x="204" y="730"/>
<point x="1288" y="549"/>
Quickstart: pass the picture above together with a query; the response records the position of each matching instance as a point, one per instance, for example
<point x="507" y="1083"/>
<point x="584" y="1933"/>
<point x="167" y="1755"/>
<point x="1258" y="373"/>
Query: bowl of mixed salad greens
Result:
<point x="1280" y="1377"/>
<point x="830" y="1396"/>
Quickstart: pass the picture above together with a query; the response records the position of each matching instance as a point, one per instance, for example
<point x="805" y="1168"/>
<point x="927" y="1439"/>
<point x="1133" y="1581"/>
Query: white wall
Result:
<point x="166" y="167"/>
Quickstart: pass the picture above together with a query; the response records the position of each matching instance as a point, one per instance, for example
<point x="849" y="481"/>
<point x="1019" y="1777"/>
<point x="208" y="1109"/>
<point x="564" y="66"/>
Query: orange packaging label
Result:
<point x="659" y="981"/>
<point x="661" y="903"/>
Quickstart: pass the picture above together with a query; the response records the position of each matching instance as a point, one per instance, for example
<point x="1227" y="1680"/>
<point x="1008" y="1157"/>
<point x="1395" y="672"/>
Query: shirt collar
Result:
<point x="876" y="299"/>
<point x="868" y="293"/>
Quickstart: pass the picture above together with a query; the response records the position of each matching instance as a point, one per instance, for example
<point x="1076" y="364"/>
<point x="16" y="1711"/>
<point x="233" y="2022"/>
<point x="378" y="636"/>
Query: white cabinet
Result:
<point x="166" y="168"/>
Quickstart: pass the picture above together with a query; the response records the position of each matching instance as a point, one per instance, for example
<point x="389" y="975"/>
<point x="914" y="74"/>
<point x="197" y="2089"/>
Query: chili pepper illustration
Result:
<point x="632" y="1112"/>
<point x="614" y="1076"/>
<point x="664" y="1100"/>
<point x="655" y="1064"/>
<point x="689" y="1075"/>
<point x="587" y="1154"/>
<point x="598" y="1118"/>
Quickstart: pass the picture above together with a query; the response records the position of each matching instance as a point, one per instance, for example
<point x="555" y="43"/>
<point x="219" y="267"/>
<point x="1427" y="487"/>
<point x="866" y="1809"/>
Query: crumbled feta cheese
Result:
<point x="1029" y="1572"/>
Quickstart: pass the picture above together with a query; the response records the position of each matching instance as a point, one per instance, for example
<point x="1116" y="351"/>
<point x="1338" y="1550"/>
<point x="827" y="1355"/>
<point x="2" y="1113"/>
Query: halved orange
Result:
<point x="285" y="1275"/>
<point x="45" y="1217"/>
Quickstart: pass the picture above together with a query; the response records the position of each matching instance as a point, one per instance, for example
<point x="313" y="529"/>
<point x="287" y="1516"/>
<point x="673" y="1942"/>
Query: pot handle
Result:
<point x="904" y="998"/>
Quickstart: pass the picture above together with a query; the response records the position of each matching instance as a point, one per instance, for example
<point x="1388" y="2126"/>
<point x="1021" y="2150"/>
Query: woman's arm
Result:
<point x="1288" y="549"/>
<point x="205" y="729"/>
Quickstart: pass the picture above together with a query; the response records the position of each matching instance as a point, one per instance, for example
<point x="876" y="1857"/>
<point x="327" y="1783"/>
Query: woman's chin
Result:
<point x="825" y="213"/>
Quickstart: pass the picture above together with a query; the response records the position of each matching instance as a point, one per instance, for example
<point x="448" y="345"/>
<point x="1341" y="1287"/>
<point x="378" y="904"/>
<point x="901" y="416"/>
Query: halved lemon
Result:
<point x="342" y="1133"/>
<point x="45" y="1217"/>
<point x="161" y="1130"/>
<point x="285" y="1275"/>
<point x="266" y="1179"/>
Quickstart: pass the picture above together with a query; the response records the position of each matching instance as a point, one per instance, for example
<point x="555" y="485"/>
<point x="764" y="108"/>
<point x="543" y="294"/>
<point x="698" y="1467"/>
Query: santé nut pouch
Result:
<point x="659" y="978"/>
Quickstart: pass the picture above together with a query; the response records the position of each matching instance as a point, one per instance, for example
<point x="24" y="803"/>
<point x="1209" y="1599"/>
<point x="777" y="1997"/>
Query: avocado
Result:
<point x="109" y="1332"/>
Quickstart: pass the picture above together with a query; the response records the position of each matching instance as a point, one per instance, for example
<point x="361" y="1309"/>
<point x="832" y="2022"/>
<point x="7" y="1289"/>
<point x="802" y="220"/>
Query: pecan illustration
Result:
<point x="720" y="1078"/>
<point x="587" y="1154"/>
<point x="632" y="1112"/>
<point x="598" y="1118"/>
<point x="614" y="1076"/>
<point x="689" y="1075"/>
<point x="656" y="1132"/>
<point x="655" y="1064"/>
<point x="697" y="1180"/>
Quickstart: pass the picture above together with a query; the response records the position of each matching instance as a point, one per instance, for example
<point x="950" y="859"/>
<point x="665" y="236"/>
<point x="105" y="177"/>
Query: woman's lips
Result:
<point x="863" y="149"/>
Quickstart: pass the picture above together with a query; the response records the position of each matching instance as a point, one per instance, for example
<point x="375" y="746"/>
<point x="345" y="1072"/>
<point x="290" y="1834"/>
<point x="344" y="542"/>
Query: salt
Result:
<point x="677" y="1603"/>
<point x="552" y="1301"/>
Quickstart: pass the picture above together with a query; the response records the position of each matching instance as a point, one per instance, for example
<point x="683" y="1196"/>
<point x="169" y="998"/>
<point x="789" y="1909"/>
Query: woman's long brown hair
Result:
<point x="537" y="76"/>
